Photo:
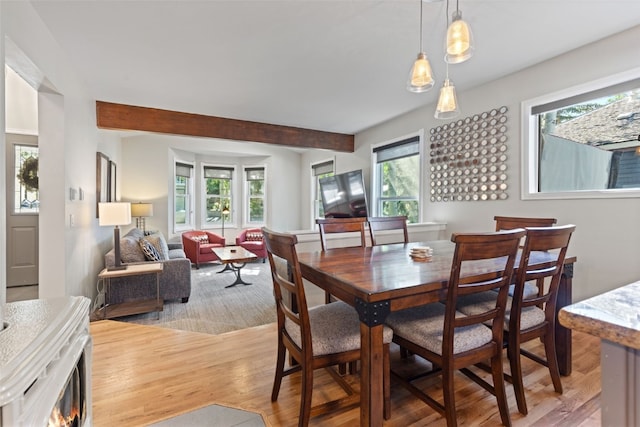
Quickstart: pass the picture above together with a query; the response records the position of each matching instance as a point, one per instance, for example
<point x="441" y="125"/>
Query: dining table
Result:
<point x="377" y="280"/>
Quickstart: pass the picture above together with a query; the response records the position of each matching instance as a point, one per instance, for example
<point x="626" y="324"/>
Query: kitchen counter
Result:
<point x="614" y="317"/>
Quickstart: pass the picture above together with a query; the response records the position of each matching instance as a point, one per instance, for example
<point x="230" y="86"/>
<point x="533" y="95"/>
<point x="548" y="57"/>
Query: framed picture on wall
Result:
<point x="102" y="180"/>
<point x="112" y="182"/>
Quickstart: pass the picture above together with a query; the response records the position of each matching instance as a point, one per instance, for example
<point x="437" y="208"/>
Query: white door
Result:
<point x="23" y="205"/>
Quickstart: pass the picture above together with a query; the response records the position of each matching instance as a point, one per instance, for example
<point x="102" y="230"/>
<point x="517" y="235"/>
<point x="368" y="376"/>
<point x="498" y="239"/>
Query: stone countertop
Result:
<point x="614" y="316"/>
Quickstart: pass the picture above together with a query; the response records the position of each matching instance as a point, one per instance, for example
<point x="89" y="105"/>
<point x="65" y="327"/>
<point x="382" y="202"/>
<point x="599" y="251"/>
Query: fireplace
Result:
<point x="45" y="363"/>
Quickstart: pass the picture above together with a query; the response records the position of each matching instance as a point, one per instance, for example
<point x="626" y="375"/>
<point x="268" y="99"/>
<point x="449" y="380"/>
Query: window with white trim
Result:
<point x="183" y="196"/>
<point x="254" y="195"/>
<point x="584" y="141"/>
<point x="218" y="193"/>
<point x="397" y="179"/>
<point x="318" y="171"/>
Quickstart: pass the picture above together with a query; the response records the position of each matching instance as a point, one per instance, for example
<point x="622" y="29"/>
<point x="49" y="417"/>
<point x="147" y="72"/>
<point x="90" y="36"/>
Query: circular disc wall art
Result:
<point x="467" y="158"/>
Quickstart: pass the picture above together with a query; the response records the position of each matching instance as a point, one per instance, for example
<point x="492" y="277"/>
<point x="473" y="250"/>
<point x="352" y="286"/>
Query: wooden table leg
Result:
<point x="563" y="335"/>
<point x="372" y="317"/>
<point x="371" y="376"/>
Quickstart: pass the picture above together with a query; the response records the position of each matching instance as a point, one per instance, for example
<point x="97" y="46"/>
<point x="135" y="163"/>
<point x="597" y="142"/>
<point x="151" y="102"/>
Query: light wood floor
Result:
<point x="144" y="374"/>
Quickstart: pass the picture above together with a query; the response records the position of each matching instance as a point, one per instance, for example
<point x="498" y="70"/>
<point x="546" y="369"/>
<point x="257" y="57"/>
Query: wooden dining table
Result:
<point x="380" y="279"/>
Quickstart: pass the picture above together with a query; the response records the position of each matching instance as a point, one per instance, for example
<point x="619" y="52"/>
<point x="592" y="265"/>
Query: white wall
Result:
<point x="70" y="257"/>
<point x="147" y="168"/>
<point x="608" y="230"/>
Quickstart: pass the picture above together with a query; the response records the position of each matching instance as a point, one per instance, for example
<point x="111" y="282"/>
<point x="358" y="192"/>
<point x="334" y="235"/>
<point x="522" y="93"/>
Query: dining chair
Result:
<point x="453" y="341"/>
<point x="383" y="223"/>
<point x="511" y="222"/>
<point x="531" y="316"/>
<point x="340" y="225"/>
<point x="317" y="337"/>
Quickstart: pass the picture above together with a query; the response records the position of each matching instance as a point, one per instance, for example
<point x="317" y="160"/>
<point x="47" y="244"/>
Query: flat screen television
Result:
<point x="344" y="195"/>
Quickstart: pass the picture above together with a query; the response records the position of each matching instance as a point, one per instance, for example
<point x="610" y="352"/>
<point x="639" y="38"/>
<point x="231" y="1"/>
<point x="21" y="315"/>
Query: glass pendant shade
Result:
<point x="447" y="103"/>
<point x="459" y="40"/>
<point x="420" y="76"/>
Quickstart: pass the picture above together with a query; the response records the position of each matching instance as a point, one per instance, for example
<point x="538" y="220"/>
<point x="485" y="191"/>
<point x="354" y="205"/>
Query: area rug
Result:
<point x="214" y="415"/>
<point x="215" y="309"/>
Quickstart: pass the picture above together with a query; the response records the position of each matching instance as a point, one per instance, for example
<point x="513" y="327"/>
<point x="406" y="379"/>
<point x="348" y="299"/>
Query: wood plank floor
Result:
<point x="144" y="374"/>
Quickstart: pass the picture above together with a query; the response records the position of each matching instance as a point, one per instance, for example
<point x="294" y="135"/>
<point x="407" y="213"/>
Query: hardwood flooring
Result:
<point x="144" y="374"/>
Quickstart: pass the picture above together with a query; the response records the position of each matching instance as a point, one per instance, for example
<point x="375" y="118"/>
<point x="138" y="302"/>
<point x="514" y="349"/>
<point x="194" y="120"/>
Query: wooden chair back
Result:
<point x="341" y="225"/>
<point x="511" y="222"/>
<point x="291" y="302"/>
<point x="382" y="223"/>
<point x="502" y="248"/>
<point x="553" y="240"/>
<point x="545" y="239"/>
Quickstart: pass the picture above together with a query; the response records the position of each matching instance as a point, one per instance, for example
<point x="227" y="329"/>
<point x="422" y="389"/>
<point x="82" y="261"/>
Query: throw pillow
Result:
<point x="202" y="238"/>
<point x="254" y="237"/>
<point x="158" y="241"/>
<point x="136" y="233"/>
<point x="130" y="250"/>
<point x="150" y="252"/>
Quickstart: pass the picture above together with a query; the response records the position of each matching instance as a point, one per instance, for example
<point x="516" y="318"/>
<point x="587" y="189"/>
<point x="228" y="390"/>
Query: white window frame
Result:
<point x="230" y="222"/>
<point x="189" y="217"/>
<point x="529" y="136"/>
<point x="245" y="185"/>
<point x="314" y="185"/>
<point x="376" y="182"/>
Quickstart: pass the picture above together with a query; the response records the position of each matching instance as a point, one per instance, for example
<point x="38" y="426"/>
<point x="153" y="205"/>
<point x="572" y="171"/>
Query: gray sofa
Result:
<point x="175" y="279"/>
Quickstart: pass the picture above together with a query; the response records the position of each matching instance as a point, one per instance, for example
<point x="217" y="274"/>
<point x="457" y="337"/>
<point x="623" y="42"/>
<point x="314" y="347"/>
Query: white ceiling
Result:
<point x="338" y="66"/>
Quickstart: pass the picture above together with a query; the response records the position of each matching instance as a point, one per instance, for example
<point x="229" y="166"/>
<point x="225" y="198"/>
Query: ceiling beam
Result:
<point x="128" y="117"/>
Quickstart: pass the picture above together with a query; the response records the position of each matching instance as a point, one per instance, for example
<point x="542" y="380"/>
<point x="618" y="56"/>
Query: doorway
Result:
<point x="23" y="207"/>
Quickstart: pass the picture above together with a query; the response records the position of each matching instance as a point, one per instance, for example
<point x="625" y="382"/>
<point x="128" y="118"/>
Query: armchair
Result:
<point x="251" y="239"/>
<point x="198" y="246"/>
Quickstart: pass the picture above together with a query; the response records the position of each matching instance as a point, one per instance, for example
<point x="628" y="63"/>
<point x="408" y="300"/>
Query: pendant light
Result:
<point x="459" y="39"/>
<point x="447" y="107"/>
<point x="420" y="75"/>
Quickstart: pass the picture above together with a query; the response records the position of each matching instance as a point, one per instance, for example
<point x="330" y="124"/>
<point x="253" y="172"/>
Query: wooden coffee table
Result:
<point x="236" y="257"/>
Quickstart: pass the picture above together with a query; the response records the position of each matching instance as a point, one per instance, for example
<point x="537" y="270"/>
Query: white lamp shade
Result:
<point x="141" y="209"/>
<point x="114" y="213"/>
<point x="420" y="75"/>
<point x="447" y="102"/>
<point x="459" y="40"/>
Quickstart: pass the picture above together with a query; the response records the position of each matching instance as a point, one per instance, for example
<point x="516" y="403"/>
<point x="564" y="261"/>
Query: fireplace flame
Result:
<point x="57" y="419"/>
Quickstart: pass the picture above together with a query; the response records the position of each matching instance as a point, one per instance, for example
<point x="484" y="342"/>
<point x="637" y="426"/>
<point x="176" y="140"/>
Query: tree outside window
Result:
<point x="255" y="180"/>
<point x="218" y="193"/>
<point x="398" y="179"/>
<point x="182" y="196"/>
<point x="319" y="171"/>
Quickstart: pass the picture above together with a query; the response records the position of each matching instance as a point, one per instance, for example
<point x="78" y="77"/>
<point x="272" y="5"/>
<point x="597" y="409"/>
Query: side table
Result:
<point x="130" y="307"/>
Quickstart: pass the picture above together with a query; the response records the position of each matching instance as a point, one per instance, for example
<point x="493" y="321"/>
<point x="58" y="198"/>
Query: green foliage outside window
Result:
<point x="218" y="197"/>
<point x="400" y="187"/>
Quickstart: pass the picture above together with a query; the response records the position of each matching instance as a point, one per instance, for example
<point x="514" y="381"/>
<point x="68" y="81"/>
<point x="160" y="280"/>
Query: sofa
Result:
<point x="251" y="240"/>
<point x="175" y="279"/>
<point x="198" y="246"/>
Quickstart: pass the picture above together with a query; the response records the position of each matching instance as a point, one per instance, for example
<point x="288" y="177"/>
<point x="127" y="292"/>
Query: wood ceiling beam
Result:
<point x="128" y="117"/>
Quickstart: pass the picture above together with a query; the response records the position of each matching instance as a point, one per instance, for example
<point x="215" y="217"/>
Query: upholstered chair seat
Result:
<point x="335" y="328"/>
<point x="424" y="325"/>
<point x="479" y="303"/>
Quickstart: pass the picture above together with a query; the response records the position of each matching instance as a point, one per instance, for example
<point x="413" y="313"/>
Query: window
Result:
<point x="255" y="195"/>
<point x="319" y="170"/>
<point x="183" y="200"/>
<point x="397" y="179"/>
<point x="584" y="142"/>
<point x="26" y="197"/>
<point x="218" y="194"/>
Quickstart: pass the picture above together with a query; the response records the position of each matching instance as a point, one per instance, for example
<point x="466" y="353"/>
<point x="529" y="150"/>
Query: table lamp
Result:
<point x="115" y="214"/>
<point x="140" y="211"/>
<point x="225" y="212"/>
